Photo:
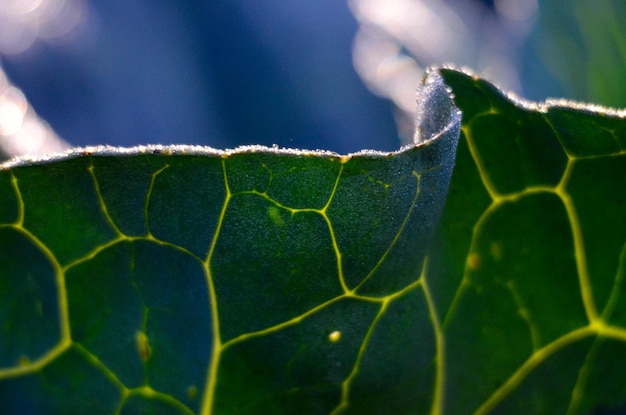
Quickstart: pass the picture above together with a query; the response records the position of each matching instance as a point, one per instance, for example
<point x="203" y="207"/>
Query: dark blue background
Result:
<point x="218" y="73"/>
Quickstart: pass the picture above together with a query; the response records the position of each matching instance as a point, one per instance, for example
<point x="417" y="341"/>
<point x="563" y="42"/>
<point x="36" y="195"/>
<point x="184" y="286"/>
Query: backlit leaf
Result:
<point x="529" y="262"/>
<point x="193" y="281"/>
<point x="186" y="281"/>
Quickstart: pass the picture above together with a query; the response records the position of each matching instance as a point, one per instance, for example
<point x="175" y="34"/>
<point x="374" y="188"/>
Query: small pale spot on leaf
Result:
<point x="192" y="392"/>
<point x="334" y="337"/>
<point x="143" y="345"/>
<point x="23" y="360"/>
<point x="473" y="261"/>
<point x="496" y="250"/>
<point x="274" y="214"/>
<point x="380" y="182"/>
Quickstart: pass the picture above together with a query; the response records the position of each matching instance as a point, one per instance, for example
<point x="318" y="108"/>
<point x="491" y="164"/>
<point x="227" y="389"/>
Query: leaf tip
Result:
<point x="436" y="110"/>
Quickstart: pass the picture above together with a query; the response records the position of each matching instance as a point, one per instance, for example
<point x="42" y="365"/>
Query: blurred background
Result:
<point x="328" y="74"/>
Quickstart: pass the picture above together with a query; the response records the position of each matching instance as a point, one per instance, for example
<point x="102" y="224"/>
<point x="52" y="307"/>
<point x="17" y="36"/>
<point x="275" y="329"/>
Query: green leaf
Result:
<point x="261" y="281"/>
<point x="194" y="281"/>
<point x="528" y="268"/>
